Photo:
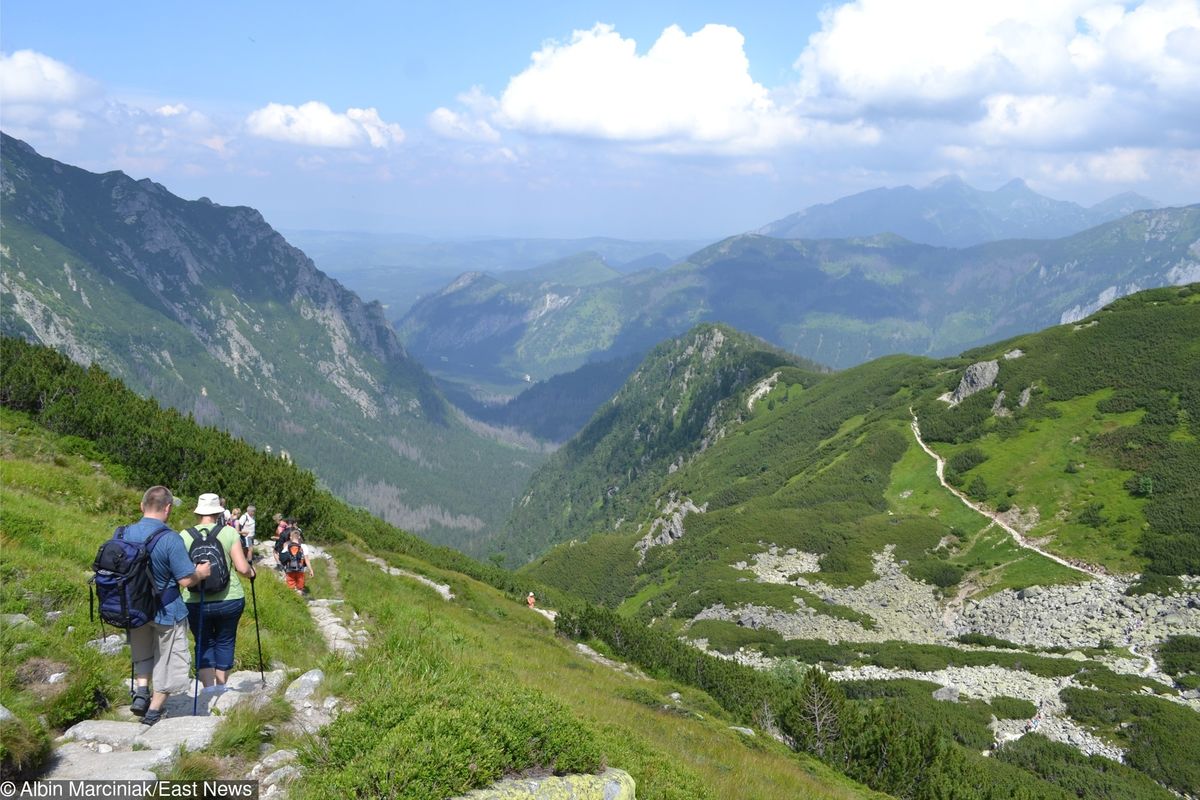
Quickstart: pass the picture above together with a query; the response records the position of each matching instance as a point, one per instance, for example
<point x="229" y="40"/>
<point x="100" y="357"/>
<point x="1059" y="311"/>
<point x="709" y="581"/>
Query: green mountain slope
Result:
<point x="816" y="530"/>
<point x="209" y="310"/>
<point x="950" y="213"/>
<point x="836" y="301"/>
<point x="448" y="695"/>
<point x="1086" y="439"/>
<point x="675" y="404"/>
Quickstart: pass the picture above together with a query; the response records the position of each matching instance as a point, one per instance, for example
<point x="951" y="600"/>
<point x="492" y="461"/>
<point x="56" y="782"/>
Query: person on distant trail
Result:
<point x="246" y="526"/>
<point x="214" y="627"/>
<point x="531" y="601"/>
<point x="295" y="561"/>
<point x="160" y="648"/>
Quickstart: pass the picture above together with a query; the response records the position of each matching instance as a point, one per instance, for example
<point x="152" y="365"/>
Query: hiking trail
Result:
<point x="1019" y="538"/>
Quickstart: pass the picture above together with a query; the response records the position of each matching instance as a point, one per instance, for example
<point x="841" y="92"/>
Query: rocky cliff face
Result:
<point x="210" y="310"/>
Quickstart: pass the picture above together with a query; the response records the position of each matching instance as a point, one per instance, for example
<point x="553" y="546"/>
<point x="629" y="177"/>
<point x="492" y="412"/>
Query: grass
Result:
<point x="1034" y="465"/>
<point x="58" y="502"/>
<point x="244" y="728"/>
<point x="483" y="650"/>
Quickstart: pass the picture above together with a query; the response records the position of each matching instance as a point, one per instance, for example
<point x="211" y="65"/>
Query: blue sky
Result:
<point x="633" y="120"/>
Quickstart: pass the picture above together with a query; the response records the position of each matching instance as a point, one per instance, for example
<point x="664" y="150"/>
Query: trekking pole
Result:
<point x="258" y="638"/>
<point x="199" y="645"/>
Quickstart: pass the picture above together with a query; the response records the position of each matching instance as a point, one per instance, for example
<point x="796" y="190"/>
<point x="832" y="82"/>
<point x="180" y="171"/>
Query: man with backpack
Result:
<point x="159" y="647"/>
<point x="215" y="606"/>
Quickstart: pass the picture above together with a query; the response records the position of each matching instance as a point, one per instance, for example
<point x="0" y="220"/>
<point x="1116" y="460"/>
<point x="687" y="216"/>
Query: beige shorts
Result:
<point x="161" y="651"/>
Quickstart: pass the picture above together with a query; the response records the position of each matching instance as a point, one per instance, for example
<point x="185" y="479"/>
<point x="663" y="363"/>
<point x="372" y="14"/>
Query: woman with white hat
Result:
<point x="213" y="612"/>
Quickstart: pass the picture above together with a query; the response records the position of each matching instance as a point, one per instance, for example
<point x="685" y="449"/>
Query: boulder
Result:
<point x="16" y="621"/>
<point x="612" y="784"/>
<point x="979" y="376"/>
<point x="110" y="645"/>
<point x="299" y="693"/>
<point x="6" y="715"/>
<point x="947" y="693"/>
<point x="1029" y="592"/>
<point x="742" y="731"/>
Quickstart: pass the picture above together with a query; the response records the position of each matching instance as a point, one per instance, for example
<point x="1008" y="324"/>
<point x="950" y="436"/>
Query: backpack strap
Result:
<point x="171" y="593"/>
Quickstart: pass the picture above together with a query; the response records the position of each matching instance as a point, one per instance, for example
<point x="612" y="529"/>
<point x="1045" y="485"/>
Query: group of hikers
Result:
<point x="158" y="584"/>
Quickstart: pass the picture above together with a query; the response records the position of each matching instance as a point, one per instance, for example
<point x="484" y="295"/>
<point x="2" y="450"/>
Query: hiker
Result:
<point x="246" y="526"/>
<point x="159" y="649"/>
<point x="531" y="601"/>
<point x="294" y="560"/>
<point x="225" y="515"/>
<point x="234" y="520"/>
<point x="214" y="611"/>
<point x="282" y="535"/>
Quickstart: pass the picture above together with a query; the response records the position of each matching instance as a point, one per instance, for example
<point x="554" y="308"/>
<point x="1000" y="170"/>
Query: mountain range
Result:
<point x="211" y="311"/>
<point x="836" y="301"/>
<point x="950" y="213"/>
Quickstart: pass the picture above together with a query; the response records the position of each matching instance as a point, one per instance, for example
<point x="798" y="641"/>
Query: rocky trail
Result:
<point x="1021" y="541"/>
<point x="995" y="518"/>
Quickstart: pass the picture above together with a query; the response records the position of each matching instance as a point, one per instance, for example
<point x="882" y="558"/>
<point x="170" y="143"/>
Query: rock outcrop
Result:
<point x="978" y="377"/>
<point x="612" y="784"/>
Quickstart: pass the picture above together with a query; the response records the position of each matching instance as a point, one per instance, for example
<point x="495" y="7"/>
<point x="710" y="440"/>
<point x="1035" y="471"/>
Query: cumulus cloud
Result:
<point x="1021" y="71"/>
<point x="317" y="125"/>
<point x="29" y="77"/>
<point x="688" y="92"/>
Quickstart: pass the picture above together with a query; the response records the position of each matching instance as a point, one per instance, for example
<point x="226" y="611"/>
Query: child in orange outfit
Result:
<point x="295" y="562"/>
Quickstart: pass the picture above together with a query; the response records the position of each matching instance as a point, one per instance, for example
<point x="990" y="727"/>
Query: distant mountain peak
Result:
<point x="951" y="213"/>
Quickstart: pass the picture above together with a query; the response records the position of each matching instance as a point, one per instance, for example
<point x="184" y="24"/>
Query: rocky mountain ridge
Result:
<point x="210" y="310"/>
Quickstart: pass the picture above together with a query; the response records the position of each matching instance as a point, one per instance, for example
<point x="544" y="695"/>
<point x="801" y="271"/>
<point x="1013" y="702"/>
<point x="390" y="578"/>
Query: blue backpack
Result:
<point x="124" y="581"/>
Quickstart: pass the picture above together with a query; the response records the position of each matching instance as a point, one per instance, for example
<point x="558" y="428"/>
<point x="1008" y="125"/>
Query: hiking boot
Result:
<point x="141" y="701"/>
<point x="152" y="716"/>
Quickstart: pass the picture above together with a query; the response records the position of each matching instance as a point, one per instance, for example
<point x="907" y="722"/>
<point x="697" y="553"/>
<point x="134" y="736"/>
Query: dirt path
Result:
<point x="1016" y="535"/>
<point x="1150" y="668"/>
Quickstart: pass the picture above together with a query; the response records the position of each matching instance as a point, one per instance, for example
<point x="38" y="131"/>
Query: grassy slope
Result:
<point x="482" y="670"/>
<point x="58" y="502"/>
<point x="831" y="467"/>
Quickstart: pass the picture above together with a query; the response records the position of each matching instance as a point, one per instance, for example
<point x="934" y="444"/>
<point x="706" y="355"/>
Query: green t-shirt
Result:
<point x="228" y="537"/>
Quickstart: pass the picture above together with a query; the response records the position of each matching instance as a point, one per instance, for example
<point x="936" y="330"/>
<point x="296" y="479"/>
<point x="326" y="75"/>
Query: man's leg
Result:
<point x="141" y="653"/>
<point x="171" y="663"/>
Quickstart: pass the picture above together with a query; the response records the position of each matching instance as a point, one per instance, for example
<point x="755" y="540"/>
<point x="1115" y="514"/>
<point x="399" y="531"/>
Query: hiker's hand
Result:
<point x="203" y="570"/>
<point x="253" y="574"/>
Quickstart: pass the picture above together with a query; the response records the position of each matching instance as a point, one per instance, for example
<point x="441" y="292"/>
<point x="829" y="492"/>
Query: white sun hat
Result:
<point x="208" y="504"/>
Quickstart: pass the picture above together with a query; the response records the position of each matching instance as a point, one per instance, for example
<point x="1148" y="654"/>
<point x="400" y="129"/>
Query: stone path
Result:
<point x="128" y="750"/>
<point x="341" y="636"/>
<point x="441" y="588"/>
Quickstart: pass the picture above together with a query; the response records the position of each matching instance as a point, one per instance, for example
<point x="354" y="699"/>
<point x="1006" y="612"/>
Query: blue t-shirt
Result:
<point x="168" y="561"/>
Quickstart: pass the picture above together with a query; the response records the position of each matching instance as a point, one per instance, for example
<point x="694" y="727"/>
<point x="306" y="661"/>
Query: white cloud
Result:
<point x="317" y="125"/>
<point x="1022" y="71"/>
<point x="690" y="90"/>
<point x="171" y="110"/>
<point x="29" y="77"/>
<point x="454" y="125"/>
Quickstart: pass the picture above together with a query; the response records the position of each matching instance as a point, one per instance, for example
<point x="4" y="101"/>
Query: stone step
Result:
<point x="77" y="761"/>
<point x="193" y="733"/>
